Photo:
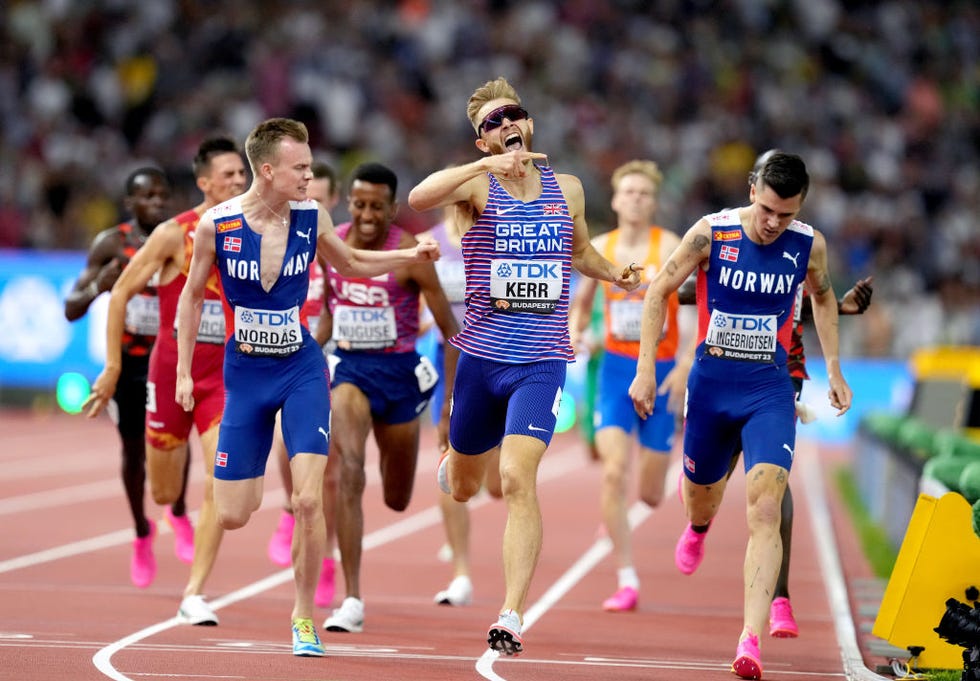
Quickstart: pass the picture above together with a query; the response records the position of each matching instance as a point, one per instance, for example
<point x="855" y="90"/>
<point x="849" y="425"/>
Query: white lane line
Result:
<point x="104" y="489"/>
<point x="98" y="543"/>
<point x="34" y="467"/>
<point x="103" y="541"/>
<point x="833" y="575"/>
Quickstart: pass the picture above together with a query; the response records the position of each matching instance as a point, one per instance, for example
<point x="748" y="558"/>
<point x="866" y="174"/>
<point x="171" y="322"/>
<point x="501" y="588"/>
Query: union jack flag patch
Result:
<point x="729" y="253"/>
<point x="553" y="209"/>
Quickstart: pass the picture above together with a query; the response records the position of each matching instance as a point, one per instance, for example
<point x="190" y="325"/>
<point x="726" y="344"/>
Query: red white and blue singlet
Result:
<point x="514" y="344"/>
<point x="518" y="267"/>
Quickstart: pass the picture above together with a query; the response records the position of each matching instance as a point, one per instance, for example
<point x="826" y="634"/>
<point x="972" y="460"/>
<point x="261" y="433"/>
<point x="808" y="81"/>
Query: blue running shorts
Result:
<point x="725" y="413"/>
<point x="494" y="399"/>
<point x="615" y="408"/>
<point x="256" y="388"/>
<point x="397" y="385"/>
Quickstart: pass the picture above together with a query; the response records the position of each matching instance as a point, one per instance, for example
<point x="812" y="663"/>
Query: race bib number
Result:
<point x="364" y="328"/>
<point x="143" y="315"/>
<point x="749" y="338"/>
<point x="624" y="319"/>
<point x="151" y="397"/>
<point x="212" y="327"/>
<point x="426" y="374"/>
<point x="525" y="285"/>
<point x="267" y="333"/>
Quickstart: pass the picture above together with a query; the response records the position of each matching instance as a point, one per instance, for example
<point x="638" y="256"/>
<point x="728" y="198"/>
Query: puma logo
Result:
<point x="788" y="449"/>
<point x="792" y="258"/>
<point x="326" y="435"/>
<point x="307" y="235"/>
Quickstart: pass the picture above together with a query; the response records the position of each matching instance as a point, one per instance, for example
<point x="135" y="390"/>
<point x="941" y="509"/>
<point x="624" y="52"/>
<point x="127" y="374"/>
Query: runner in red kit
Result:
<point x="220" y="173"/>
<point x="147" y="193"/>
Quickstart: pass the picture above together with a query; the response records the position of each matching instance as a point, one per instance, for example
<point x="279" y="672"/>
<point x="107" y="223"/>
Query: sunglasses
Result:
<point x="495" y="118"/>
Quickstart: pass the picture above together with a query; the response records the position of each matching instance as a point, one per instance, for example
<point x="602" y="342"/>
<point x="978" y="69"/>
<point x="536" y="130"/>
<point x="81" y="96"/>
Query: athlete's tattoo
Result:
<point x="823" y="284"/>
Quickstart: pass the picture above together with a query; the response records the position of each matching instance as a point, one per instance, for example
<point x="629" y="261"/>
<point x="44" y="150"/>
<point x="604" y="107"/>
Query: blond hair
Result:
<point x="489" y="91"/>
<point x="262" y="144"/>
<point x="648" y="169"/>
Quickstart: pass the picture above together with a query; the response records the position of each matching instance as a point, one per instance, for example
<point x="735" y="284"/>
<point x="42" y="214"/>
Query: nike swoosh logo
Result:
<point x="504" y="211"/>
<point x="540" y="430"/>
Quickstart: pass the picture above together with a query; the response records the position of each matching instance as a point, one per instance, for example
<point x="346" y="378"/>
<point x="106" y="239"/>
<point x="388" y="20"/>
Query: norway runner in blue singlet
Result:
<point x="263" y="243"/>
<point x="750" y="263"/>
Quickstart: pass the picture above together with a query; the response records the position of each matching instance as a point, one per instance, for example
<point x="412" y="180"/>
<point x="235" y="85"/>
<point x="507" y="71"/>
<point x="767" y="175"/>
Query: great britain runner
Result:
<point x="524" y="229"/>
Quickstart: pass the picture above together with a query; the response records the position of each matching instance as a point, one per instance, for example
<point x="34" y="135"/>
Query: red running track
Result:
<point x="69" y="611"/>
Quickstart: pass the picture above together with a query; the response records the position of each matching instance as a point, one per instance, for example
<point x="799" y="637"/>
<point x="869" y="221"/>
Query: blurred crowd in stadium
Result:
<point x="882" y="99"/>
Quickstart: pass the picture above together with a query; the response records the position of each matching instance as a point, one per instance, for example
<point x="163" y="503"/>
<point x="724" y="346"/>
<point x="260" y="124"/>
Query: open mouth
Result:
<point x="513" y="142"/>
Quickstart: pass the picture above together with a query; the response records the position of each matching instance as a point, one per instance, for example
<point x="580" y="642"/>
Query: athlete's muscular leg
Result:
<point x="208" y="534"/>
<point x="279" y="453"/>
<point x="456" y="516"/>
<point x="702" y="501"/>
<point x="613" y="445"/>
<point x="331" y="494"/>
<point x="167" y="470"/>
<point x="351" y="424"/>
<point x="765" y="485"/>
<point x="398" y="447"/>
<point x="236" y="500"/>
<point x="652" y="471"/>
<point x="466" y="473"/>
<point x="134" y="481"/>
<point x="309" y="536"/>
<point x="520" y="456"/>
<point x="786" y="534"/>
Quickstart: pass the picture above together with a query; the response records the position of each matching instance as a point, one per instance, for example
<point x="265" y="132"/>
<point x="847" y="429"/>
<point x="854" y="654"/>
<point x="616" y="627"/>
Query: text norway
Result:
<point x="248" y="270"/>
<point x="761" y="282"/>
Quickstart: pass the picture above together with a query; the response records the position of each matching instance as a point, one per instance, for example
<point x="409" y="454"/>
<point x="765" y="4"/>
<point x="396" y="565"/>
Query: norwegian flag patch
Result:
<point x="233" y="244"/>
<point x="729" y="253"/>
<point x="221" y="459"/>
